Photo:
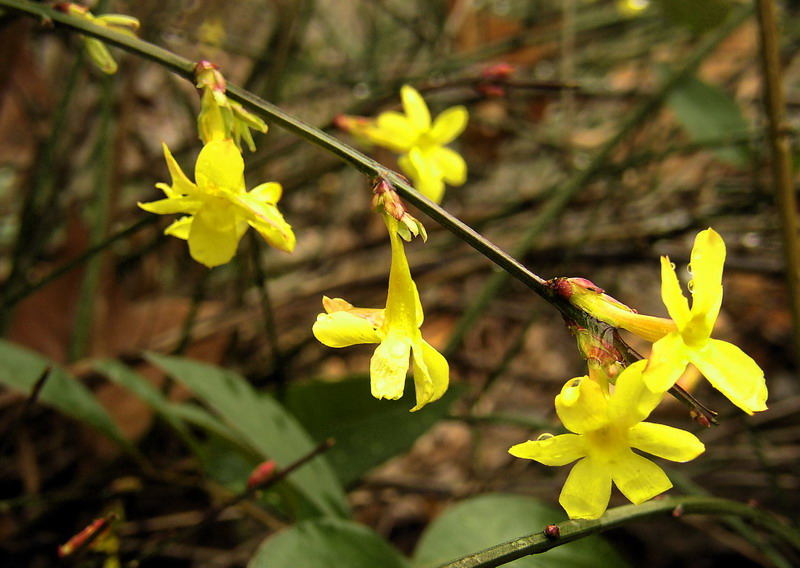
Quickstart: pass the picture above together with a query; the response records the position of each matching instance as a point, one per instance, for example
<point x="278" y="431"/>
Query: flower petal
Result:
<point x="403" y="308"/>
<point x="389" y="365"/>
<point x="266" y="219"/>
<point x="212" y="243"/>
<point x="180" y="228"/>
<point x="582" y="406"/>
<point x="431" y="373"/>
<point x="392" y="130"/>
<point x="448" y="125"/>
<point x="552" y="450"/>
<point x="671" y="294"/>
<point x="220" y="165"/>
<point x="632" y="401"/>
<point x="450" y="164"/>
<point x="665" y="442"/>
<point x="415" y="108"/>
<point x="708" y="257"/>
<point x="732" y="372"/>
<point x="425" y="174"/>
<point x="587" y="490"/>
<point x="666" y="364"/>
<point x="638" y="478"/>
<point x="269" y="192"/>
<point x="172" y="205"/>
<point x="180" y="183"/>
<point x="343" y="329"/>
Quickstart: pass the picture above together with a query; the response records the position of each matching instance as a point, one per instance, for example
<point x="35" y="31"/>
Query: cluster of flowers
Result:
<point x="605" y="410"/>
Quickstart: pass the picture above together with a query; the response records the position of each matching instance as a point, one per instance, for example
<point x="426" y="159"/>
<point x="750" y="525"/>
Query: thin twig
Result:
<point x="781" y="155"/>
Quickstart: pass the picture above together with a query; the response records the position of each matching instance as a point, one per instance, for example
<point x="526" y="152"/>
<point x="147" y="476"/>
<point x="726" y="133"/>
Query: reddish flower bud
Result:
<point x="87" y="536"/>
<point x="552" y="532"/>
<point x="261" y="474"/>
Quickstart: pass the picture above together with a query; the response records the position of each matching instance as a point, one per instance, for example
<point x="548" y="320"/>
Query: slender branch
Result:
<point x="782" y="175"/>
<point x="569" y="531"/>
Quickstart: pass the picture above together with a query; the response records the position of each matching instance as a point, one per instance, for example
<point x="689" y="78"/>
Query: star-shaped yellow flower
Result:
<point x="726" y="367"/>
<point x="420" y="141"/>
<point x="395" y="329"/>
<point x="219" y="207"/>
<point x="605" y="430"/>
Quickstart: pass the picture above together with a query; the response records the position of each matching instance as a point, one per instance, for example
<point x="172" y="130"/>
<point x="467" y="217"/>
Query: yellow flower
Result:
<point x="96" y="49"/>
<point x="219" y="206"/>
<point x="395" y="329"/>
<point x="221" y="118"/>
<point x="605" y="430"/>
<point x="726" y="367"/>
<point x="420" y="141"/>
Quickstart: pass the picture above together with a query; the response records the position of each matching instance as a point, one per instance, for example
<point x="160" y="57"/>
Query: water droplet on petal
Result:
<point x="690" y="285"/>
<point x="672" y="265"/>
<point x="689" y="268"/>
<point x="544" y="437"/>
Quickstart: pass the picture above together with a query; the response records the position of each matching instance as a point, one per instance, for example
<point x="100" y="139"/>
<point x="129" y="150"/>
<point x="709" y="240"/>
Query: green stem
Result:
<point x="575" y="529"/>
<point x="782" y="175"/>
<point x="97" y="216"/>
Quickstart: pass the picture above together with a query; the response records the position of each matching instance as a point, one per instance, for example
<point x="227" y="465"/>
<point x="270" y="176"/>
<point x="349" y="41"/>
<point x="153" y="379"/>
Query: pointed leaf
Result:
<point x="263" y="424"/>
<point x="20" y="368"/>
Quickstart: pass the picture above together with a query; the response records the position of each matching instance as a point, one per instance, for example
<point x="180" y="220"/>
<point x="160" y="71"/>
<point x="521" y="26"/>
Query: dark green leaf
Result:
<point x="487" y="520"/>
<point x="263" y="425"/>
<point x="367" y="431"/>
<point x="709" y="114"/>
<point x="327" y="543"/>
<point x="20" y="368"/>
<point x="696" y="15"/>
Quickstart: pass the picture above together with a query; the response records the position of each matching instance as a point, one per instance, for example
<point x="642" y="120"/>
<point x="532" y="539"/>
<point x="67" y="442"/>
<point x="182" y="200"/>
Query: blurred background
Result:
<point x="602" y="135"/>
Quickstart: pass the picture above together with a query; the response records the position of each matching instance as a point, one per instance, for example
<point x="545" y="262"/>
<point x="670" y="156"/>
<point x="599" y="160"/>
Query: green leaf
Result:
<point x="367" y="431"/>
<point x="710" y="114"/>
<point x="20" y="368"/>
<point x="327" y="543"/>
<point x="124" y="376"/>
<point x="263" y="425"/>
<point x="696" y="15"/>
<point x="488" y="520"/>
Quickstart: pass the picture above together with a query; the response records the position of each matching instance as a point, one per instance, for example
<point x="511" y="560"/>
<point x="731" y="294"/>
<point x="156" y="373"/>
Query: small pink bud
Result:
<point x="552" y="532"/>
<point x="261" y="474"/>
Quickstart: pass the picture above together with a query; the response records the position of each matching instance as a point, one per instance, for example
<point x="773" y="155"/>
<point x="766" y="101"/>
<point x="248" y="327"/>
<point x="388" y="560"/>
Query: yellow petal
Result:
<point x="587" y="490"/>
<point x="732" y="372"/>
<point x="667" y="363"/>
<point x="665" y="442"/>
<point x="170" y="206"/>
<point x="431" y="373"/>
<point x="425" y="173"/>
<point x="403" y="308"/>
<point x="708" y="257"/>
<point x="392" y="130"/>
<point x="448" y="125"/>
<point x="269" y="192"/>
<point x="343" y="329"/>
<point x="210" y="243"/>
<point x="180" y="183"/>
<point x="389" y="366"/>
<point x="180" y="228"/>
<point x="450" y="164"/>
<point x="638" y="478"/>
<point x="632" y="401"/>
<point x="552" y="450"/>
<point x="267" y="220"/>
<point x="415" y="108"/>
<point x="582" y="406"/>
<point x="671" y="294"/>
<point x="220" y="165"/>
